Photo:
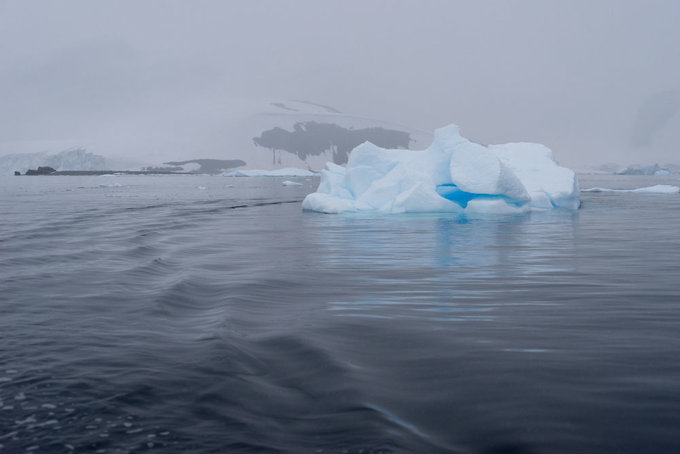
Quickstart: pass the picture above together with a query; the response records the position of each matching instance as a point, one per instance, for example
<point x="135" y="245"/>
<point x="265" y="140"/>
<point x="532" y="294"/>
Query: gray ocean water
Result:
<point x="201" y="314"/>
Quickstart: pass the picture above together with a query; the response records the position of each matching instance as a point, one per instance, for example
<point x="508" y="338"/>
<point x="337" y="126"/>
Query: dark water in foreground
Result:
<point x="210" y="315"/>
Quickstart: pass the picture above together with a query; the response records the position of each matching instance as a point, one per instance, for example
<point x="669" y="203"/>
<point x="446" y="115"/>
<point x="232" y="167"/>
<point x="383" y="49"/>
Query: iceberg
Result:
<point x="655" y="170"/>
<point x="452" y="175"/>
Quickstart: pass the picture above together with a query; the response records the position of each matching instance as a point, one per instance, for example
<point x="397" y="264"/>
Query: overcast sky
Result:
<point x="594" y="80"/>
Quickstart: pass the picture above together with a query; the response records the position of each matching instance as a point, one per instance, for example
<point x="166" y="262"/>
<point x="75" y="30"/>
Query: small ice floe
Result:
<point x="291" y="183"/>
<point x="656" y="189"/>
<point x="111" y="185"/>
<point x="202" y="188"/>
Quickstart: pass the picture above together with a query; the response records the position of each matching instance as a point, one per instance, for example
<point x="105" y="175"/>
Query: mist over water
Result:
<point x="209" y="314"/>
<point x="166" y="80"/>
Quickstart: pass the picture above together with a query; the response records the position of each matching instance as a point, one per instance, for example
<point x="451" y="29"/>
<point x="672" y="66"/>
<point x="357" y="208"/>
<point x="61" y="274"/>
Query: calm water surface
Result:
<point x="211" y="315"/>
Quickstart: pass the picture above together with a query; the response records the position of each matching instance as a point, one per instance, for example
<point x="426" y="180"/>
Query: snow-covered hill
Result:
<point x="75" y="159"/>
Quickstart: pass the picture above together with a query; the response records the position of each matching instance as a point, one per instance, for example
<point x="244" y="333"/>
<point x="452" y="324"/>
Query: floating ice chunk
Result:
<point x="111" y="185"/>
<point x="548" y="184"/>
<point x="659" y="189"/>
<point x="327" y="203"/>
<point x="287" y="172"/>
<point x="452" y="175"/>
<point x="656" y="189"/>
<point x="291" y="183"/>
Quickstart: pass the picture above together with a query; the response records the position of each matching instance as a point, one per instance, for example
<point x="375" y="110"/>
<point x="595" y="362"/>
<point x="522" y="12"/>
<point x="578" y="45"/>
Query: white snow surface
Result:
<point x="452" y="175"/>
<point x="287" y="172"/>
<point x="75" y="159"/>
<point x="656" y="189"/>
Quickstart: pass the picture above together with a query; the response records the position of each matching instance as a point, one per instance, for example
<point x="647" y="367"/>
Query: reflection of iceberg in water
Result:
<point x="521" y="245"/>
<point x="439" y="267"/>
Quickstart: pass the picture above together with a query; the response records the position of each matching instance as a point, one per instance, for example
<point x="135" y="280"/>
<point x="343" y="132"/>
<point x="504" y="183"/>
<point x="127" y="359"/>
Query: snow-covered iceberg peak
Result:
<point x="453" y="175"/>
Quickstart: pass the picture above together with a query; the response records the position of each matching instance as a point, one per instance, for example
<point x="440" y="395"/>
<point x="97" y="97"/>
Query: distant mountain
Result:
<point x="655" y="169"/>
<point x="74" y="159"/>
<point x="654" y="115"/>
